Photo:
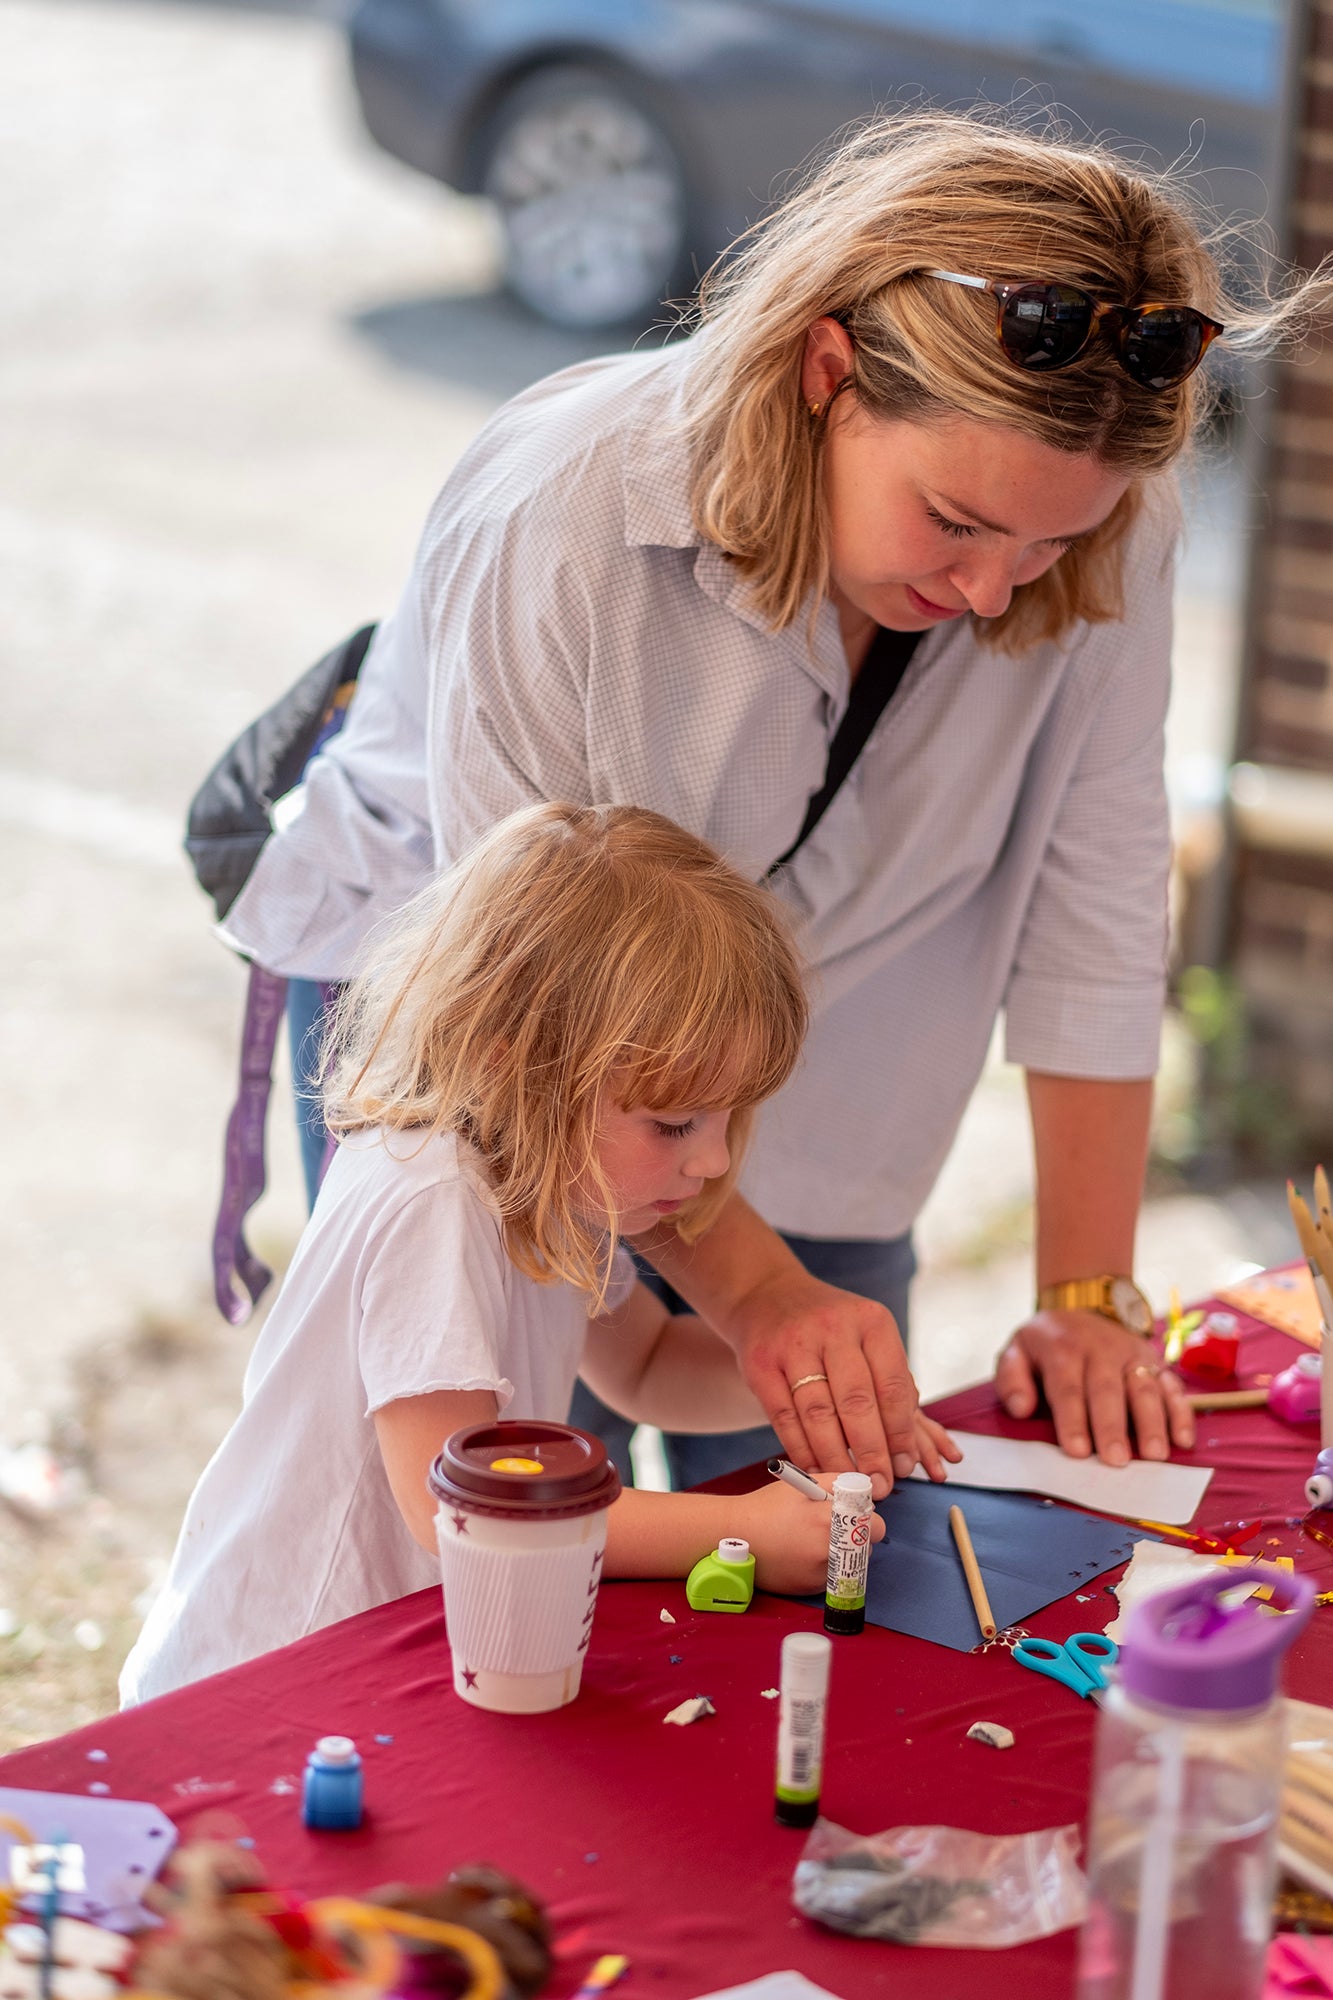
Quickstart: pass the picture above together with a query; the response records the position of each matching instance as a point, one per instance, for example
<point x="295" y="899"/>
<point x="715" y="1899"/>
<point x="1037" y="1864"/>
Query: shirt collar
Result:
<point x="657" y="515"/>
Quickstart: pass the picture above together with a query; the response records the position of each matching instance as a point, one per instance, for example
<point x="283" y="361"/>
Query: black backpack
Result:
<point x="230" y="819"/>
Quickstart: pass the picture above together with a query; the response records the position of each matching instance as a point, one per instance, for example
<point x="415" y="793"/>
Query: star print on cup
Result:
<point x="459" y="1519"/>
<point x="469" y="1677"/>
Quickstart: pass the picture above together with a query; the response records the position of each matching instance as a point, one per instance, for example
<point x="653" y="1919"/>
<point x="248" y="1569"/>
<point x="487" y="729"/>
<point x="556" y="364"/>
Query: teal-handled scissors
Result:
<point x="1080" y="1663"/>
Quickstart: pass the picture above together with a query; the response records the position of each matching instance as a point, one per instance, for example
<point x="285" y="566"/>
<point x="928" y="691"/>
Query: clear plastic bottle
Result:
<point x="1186" y="1788"/>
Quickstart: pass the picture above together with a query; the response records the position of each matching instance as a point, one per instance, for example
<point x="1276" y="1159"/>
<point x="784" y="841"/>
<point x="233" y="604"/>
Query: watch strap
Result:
<point x="1076" y="1295"/>
<point x="1087" y="1295"/>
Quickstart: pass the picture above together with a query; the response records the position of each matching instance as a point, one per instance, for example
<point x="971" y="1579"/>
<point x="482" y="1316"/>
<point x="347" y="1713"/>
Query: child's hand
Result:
<point x="933" y="1446"/>
<point x="788" y="1536"/>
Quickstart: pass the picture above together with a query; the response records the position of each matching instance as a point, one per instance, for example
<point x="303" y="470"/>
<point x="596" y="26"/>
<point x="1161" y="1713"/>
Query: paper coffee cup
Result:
<point x="521" y="1525"/>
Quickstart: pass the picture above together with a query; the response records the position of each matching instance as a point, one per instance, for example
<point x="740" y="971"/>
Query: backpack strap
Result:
<point x="880" y="677"/>
<point x="228" y="825"/>
<point x="239" y="1277"/>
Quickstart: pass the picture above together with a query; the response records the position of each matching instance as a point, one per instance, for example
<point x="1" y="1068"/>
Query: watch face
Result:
<point x="1130" y="1306"/>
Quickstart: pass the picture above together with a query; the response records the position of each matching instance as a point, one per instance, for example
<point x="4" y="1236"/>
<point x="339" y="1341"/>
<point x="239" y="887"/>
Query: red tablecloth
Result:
<point x="660" y="1842"/>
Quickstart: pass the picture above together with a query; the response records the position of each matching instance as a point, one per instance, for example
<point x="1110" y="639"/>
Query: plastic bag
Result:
<point x="942" y="1885"/>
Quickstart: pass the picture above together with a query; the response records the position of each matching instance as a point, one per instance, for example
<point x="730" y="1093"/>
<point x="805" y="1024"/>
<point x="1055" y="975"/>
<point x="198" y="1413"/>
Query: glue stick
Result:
<point x="848" y="1553"/>
<point x="801" y="1711"/>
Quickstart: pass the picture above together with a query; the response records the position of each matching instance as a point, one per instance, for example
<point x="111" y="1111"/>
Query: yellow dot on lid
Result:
<point x="517" y="1465"/>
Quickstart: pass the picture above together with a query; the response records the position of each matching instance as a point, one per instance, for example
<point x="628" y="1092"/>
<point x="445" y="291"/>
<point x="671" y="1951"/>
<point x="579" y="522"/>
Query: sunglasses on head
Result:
<point x="1048" y="326"/>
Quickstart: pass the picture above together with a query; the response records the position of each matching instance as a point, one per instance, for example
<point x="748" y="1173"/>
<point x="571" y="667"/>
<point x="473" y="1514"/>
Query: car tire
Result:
<point x="593" y="199"/>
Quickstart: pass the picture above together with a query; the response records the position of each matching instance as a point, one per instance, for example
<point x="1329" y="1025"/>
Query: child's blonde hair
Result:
<point x="575" y="951"/>
<point x="981" y="194"/>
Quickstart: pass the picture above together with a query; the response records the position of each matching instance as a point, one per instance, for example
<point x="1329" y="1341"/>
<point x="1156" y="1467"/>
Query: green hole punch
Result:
<point x="724" y="1580"/>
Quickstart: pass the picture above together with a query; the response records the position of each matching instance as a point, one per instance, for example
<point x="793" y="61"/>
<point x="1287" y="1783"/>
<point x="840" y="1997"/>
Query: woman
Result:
<point x="939" y="393"/>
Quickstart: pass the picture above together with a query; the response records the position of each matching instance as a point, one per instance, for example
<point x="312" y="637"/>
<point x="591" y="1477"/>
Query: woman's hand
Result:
<point x="788" y="1536"/>
<point x="855" y="1391"/>
<point x="1096" y="1377"/>
<point x="830" y="1370"/>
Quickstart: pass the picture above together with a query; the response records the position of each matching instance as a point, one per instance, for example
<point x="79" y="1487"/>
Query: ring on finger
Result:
<point x="803" y="1379"/>
<point x="1148" y="1368"/>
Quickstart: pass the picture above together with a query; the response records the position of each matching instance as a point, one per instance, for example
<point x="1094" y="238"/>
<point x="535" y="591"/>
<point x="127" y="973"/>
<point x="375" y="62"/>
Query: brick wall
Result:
<point x="1281" y="933"/>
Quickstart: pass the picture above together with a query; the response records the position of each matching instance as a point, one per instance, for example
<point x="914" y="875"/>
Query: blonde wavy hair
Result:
<point x="979" y="194"/>
<point x="575" y="951"/>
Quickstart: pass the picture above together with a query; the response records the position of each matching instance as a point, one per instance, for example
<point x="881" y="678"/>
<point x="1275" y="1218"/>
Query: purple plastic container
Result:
<point x="1186" y="1789"/>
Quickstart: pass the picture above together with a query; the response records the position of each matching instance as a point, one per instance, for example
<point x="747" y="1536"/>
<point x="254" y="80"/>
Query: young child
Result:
<point x="560" y="1044"/>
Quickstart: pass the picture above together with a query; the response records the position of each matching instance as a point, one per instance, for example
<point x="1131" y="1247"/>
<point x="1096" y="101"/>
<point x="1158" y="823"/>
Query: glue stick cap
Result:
<point x="336" y="1750"/>
<point x="806" y="1657"/>
<point x="854" y="1490"/>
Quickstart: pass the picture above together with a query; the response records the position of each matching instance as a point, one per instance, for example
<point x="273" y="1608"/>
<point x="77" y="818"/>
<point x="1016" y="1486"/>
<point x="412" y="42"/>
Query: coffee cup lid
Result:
<point x="525" y="1471"/>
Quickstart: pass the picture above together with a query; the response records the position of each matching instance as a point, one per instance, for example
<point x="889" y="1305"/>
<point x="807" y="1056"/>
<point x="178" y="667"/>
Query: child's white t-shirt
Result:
<point x="400" y="1285"/>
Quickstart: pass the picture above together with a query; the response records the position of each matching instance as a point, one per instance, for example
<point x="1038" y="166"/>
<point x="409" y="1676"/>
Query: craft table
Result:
<point x="657" y="1841"/>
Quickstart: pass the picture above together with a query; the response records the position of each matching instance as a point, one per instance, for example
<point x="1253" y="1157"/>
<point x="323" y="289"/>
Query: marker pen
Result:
<point x="791" y="1475"/>
<point x="802" y="1708"/>
<point x="848" y="1554"/>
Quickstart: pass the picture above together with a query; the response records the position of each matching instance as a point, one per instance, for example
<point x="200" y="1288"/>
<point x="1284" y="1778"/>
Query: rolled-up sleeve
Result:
<point x="1088" y="982"/>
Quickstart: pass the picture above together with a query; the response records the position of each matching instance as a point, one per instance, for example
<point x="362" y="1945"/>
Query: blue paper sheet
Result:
<point x="1030" y="1553"/>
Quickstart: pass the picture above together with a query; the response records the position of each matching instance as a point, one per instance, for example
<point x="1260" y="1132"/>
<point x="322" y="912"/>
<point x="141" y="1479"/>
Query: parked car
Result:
<point x="626" y="142"/>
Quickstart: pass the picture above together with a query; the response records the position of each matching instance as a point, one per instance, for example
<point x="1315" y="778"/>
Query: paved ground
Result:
<point x="241" y="350"/>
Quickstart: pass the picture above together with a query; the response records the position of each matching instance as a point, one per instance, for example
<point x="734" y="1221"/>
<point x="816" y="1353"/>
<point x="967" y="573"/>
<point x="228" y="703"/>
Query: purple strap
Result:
<point x="234" y="1263"/>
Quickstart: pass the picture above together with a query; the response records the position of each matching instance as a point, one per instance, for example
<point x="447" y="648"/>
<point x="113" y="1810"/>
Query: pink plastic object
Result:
<point x="1211" y="1350"/>
<point x="1294" y="1394"/>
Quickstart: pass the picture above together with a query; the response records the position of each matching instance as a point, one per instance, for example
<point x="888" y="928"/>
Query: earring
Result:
<point x="815" y="408"/>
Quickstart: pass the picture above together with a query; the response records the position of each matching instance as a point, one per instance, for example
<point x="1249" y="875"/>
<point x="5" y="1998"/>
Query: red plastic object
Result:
<point x="1210" y="1351"/>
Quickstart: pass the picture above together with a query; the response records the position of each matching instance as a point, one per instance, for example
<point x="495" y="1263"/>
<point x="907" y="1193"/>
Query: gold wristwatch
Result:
<point x="1115" y="1297"/>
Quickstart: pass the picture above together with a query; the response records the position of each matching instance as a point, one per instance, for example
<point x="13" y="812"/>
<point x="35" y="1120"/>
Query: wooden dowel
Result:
<point x="1319" y="1852"/>
<point x="1310" y="1778"/>
<point x="972" y="1571"/>
<point x="1309" y="1811"/>
<point x="1304" y="1833"/>
<point x="1229" y="1399"/>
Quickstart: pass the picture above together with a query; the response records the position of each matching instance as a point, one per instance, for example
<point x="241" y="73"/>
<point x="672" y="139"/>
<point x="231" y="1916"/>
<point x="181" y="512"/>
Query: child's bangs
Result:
<point x="723" y="1057"/>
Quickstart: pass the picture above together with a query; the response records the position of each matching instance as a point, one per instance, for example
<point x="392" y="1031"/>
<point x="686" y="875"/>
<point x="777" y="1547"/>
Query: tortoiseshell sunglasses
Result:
<point x="1048" y="326"/>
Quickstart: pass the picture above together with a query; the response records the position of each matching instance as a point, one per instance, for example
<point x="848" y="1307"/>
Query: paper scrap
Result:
<point x="666" y="1617"/>
<point x="693" y="1710"/>
<point x="775" y="1986"/>
<point x="1296" y="1965"/>
<point x="993" y="1733"/>
<point x="1285" y="1299"/>
<point x="769" y="1694"/>
<point x="1142" y="1490"/>
<point x="1158" y="1566"/>
<point x="1030" y="1555"/>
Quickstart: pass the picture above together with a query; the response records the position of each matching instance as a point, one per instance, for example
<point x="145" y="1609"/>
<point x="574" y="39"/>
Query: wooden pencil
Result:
<point x="1229" y="1399"/>
<point x="1304" y="1221"/>
<point x="972" y="1571"/>
<point x="1323" y="1205"/>
<point x="1316" y="1248"/>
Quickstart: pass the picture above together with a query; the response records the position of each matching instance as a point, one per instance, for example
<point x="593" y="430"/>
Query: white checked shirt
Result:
<point x="1002" y="842"/>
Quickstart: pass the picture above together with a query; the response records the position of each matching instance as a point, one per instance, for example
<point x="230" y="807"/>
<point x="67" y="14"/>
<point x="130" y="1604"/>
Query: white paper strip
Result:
<point x="1143" y="1490"/>
<point x="777" y="1986"/>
